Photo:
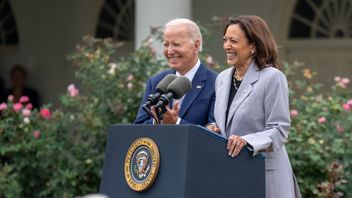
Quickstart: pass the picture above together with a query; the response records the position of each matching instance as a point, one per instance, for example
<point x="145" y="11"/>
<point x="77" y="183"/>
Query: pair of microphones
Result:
<point x="170" y="87"/>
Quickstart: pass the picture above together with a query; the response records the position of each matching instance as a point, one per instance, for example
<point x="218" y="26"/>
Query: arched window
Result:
<point x="322" y="19"/>
<point x="116" y="20"/>
<point x="8" y="30"/>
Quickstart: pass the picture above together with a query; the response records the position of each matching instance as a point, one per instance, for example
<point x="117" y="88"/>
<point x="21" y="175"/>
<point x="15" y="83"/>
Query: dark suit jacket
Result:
<point x="198" y="104"/>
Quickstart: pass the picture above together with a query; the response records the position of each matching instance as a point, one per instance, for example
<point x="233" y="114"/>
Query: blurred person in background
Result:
<point x="18" y="77"/>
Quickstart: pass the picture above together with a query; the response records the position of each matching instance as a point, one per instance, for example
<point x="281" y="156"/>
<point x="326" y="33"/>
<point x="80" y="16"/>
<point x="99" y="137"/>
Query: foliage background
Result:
<point x="59" y="153"/>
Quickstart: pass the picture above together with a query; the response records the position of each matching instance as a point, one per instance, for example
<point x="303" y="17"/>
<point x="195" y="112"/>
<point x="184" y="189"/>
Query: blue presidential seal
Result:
<point x="142" y="164"/>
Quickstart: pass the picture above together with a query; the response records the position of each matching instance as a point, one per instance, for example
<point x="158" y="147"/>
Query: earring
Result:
<point x="252" y="52"/>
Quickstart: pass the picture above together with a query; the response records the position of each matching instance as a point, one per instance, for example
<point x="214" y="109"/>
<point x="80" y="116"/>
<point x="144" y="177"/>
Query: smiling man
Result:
<point x="182" y="42"/>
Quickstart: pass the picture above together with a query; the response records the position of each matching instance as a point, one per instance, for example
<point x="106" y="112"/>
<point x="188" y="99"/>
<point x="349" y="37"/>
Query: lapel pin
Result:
<point x="199" y="86"/>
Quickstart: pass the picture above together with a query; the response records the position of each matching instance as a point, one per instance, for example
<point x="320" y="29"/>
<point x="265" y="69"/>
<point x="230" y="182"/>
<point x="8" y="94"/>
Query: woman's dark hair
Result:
<point x="257" y="32"/>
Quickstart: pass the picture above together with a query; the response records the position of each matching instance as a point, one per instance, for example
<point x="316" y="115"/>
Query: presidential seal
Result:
<point x="142" y="164"/>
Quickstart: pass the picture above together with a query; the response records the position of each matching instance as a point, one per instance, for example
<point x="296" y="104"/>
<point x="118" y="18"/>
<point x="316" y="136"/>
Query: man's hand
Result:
<point x="171" y="115"/>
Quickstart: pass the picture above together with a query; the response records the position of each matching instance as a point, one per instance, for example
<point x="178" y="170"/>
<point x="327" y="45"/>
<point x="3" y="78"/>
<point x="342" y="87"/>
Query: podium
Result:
<point x="194" y="163"/>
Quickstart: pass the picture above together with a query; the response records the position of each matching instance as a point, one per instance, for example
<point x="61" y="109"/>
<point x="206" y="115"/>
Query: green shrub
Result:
<point x="60" y="153"/>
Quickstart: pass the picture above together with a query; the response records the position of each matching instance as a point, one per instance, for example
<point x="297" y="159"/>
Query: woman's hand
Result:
<point x="235" y="144"/>
<point x="213" y="128"/>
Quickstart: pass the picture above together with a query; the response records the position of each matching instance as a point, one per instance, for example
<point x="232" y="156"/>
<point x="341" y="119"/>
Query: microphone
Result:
<point x="176" y="89"/>
<point x="161" y="88"/>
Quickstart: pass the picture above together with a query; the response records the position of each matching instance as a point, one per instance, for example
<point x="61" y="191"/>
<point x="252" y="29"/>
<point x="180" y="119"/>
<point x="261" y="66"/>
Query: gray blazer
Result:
<point x="259" y="113"/>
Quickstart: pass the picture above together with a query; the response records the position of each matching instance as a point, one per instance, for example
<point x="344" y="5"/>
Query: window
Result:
<point x="116" y="20"/>
<point x="322" y="19"/>
<point x="8" y="30"/>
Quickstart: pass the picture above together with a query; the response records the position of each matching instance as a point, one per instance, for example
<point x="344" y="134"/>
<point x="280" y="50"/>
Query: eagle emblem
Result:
<point x="142" y="164"/>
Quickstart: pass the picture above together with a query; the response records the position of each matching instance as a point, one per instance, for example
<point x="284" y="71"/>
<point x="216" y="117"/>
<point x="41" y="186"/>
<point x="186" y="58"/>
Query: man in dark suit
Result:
<point x="182" y="43"/>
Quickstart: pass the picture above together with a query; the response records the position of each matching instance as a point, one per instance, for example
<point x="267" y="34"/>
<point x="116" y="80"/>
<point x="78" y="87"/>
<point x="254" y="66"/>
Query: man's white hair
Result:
<point x="192" y="28"/>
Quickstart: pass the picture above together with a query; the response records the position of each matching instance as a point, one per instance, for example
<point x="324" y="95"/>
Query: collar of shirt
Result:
<point x="190" y="74"/>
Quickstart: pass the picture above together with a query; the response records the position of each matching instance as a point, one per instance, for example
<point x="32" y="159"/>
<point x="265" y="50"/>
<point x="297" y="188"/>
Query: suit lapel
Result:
<point x="198" y="84"/>
<point x="244" y="90"/>
<point x="222" y="96"/>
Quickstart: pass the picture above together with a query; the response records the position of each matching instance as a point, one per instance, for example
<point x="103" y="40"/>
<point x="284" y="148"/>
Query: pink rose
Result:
<point x="345" y="80"/>
<point x="73" y="93"/>
<point x="72" y="90"/>
<point x="337" y="78"/>
<point x="349" y="102"/>
<point x="26" y="112"/>
<point x="71" y="87"/>
<point x="322" y="119"/>
<point x="130" y="77"/>
<point x="17" y="107"/>
<point x="346" y="107"/>
<point x="45" y="113"/>
<point x="3" y="106"/>
<point x="339" y="128"/>
<point x="10" y="98"/>
<point x="29" y="106"/>
<point x="294" y="113"/>
<point x="36" y="134"/>
<point x="24" y="99"/>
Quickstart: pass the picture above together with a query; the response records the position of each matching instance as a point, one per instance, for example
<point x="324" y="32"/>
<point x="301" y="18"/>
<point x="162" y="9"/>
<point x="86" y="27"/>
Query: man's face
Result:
<point x="179" y="49"/>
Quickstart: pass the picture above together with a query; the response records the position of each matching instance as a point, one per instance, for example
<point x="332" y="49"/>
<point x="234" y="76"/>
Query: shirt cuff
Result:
<point x="178" y="120"/>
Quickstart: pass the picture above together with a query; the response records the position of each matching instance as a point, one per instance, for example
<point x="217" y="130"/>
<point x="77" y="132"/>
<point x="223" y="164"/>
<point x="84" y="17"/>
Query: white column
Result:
<point x="157" y="13"/>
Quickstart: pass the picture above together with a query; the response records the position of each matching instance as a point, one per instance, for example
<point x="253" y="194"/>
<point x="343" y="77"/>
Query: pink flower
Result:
<point x="45" y="113"/>
<point x="26" y="112"/>
<point x="73" y="93"/>
<point x="17" y="107"/>
<point x="294" y="113"/>
<point x="10" y="98"/>
<point x="349" y="102"/>
<point x="337" y="78"/>
<point x="345" y="80"/>
<point x="72" y="90"/>
<point x="339" y="128"/>
<point x="29" y="106"/>
<point x="36" y="134"/>
<point x="71" y="87"/>
<point x="3" y="106"/>
<point x="130" y="77"/>
<point x="24" y="99"/>
<point x="346" y="107"/>
<point x="322" y="119"/>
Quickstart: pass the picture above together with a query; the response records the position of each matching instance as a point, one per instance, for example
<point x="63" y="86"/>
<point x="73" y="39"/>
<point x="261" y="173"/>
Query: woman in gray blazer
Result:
<point x="252" y="107"/>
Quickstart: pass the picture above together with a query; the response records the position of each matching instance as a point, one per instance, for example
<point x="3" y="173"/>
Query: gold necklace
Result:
<point x="235" y="75"/>
<point x="236" y="79"/>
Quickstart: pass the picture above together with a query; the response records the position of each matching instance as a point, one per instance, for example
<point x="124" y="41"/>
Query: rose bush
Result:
<point x="320" y="140"/>
<point x="59" y="153"/>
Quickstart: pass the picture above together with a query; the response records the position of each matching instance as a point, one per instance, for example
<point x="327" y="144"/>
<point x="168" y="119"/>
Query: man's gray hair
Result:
<point x="192" y="28"/>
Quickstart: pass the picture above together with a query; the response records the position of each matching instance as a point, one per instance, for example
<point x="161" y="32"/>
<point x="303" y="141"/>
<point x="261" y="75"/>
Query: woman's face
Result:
<point x="238" y="49"/>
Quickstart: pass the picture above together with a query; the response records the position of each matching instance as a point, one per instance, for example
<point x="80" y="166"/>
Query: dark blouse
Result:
<point x="232" y="94"/>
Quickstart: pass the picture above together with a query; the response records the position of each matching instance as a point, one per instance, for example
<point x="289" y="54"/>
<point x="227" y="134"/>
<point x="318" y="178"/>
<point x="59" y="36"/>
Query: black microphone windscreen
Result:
<point x="179" y="87"/>
<point x="162" y="85"/>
